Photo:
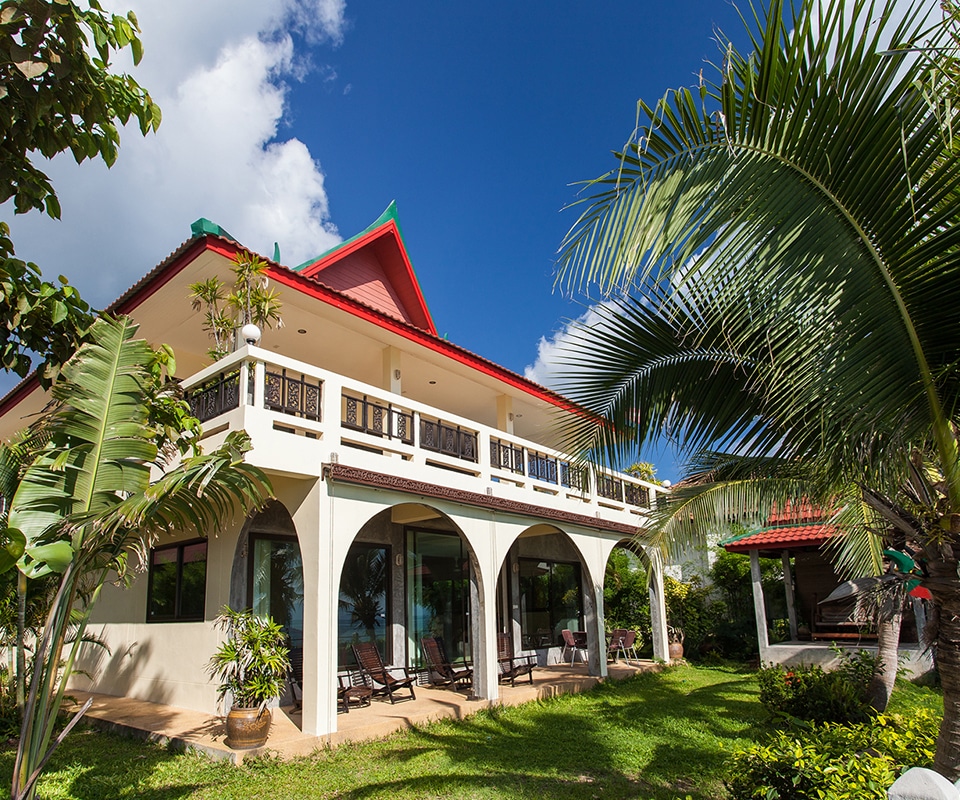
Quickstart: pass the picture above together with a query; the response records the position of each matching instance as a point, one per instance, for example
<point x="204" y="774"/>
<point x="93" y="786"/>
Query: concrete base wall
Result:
<point x="916" y="662"/>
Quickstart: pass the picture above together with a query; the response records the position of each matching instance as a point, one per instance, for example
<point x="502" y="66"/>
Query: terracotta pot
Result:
<point x="247" y="728"/>
<point x="676" y="651"/>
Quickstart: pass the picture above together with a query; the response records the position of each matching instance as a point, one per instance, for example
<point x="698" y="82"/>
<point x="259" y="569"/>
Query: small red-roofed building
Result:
<point x="421" y="489"/>
<point x="817" y="625"/>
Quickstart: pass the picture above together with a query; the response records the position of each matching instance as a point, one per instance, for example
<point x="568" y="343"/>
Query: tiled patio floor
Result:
<point x="194" y="730"/>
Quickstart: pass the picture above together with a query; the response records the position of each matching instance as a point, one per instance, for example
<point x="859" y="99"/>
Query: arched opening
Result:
<point x="407" y="575"/>
<point x="626" y="596"/>
<point x="541" y="592"/>
<point x="268" y="571"/>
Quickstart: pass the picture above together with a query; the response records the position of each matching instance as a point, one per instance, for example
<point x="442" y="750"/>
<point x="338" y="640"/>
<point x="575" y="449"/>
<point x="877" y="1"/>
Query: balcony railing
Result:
<point x="506" y="455"/>
<point x="451" y="440"/>
<point x="377" y="419"/>
<point x="292" y="394"/>
<point x="370" y="421"/>
<point x="215" y="397"/>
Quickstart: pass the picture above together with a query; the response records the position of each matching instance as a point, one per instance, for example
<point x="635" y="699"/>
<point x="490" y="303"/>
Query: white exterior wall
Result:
<point x="166" y="662"/>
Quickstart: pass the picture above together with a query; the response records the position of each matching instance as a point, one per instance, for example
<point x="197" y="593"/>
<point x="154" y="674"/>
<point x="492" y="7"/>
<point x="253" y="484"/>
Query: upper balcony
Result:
<point x="299" y="417"/>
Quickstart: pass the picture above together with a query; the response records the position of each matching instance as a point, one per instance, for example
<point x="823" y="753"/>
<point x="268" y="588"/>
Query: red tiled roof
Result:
<point x="794" y="513"/>
<point x="788" y="537"/>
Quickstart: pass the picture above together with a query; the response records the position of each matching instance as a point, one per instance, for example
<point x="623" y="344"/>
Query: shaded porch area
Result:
<point x="192" y="730"/>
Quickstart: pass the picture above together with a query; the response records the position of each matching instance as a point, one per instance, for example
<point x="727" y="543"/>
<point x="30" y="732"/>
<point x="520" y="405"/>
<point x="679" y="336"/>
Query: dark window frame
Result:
<point x="581" y="611"/>
<point x="177" y="615"/>
<point x="388" y="600"/>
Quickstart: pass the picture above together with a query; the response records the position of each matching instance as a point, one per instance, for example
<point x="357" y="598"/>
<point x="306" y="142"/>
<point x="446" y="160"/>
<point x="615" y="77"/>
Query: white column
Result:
<point x="311" y="512"/>
<point x="658" y="607"/>
<point x="759" y="609"/>
<point x="483" y="606"/>
<point x="791" y="599"/>
<point x="505" y="413"/>
<point x="596" y="631"/>
<point x="391" y="370"/>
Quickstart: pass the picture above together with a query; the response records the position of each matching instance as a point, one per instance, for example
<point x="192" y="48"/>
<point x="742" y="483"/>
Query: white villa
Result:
<point x="420" y="489"/>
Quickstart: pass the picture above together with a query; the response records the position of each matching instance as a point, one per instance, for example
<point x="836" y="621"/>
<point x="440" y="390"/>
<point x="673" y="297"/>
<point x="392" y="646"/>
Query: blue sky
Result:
<point x="298" y="121"/>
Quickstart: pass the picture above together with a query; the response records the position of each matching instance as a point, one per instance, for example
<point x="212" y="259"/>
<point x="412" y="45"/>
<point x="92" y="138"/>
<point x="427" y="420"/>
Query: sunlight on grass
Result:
<point x="654" y="736"/>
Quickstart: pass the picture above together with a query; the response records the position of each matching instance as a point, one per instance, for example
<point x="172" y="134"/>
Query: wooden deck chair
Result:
<point x="442" y="671"/>
<point x="295" y="676"/>
<point x="352" y="690"/>
<point x="511" y="666"/>
<point x="571" y="645"/>
<point x="378" y="677"/>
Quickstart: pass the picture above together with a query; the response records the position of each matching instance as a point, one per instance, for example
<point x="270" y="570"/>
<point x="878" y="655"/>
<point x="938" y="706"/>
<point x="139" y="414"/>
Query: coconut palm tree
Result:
<point x="781" y="265"/>
<point x="85" y="502"/>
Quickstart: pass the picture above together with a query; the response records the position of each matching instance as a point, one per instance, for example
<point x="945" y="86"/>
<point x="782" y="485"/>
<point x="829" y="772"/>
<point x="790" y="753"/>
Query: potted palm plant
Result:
<point x="252" y="666"/>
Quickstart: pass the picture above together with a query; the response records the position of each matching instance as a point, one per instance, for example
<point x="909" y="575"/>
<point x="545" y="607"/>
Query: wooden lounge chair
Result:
<point x="442" y="671"/>
<point x="295" y="676"/>
<point x="512" y="666"/>
<point x="352" y="690"/>
<point x="574" y="647"/>
<point x="378" y="677"/>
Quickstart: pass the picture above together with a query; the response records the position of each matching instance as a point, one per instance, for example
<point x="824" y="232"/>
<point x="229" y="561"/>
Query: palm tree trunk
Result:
<point x="944" y="584"/>
<point x="947" y="761"/>
<point x="21" y="647"/>
<point x="885" y="672"/>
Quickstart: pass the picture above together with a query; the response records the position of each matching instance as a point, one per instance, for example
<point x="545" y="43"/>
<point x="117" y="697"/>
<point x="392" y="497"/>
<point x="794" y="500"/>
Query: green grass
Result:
<point x="653" y="736"/>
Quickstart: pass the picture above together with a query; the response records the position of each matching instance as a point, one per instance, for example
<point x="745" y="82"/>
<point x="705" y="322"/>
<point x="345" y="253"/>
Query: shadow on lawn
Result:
<point x="91" y="765"/>
<point x="650" y="737"/>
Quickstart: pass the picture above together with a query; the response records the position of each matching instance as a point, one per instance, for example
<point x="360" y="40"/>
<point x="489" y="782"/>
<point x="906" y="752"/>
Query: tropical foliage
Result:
<point x="59" y="92"/>
<point x="253" y="662"/>
<point x="842" y="762"/>
<point x="84" y="501"/>
<point x="780" y="258"/>
<point x="249" y="300"/>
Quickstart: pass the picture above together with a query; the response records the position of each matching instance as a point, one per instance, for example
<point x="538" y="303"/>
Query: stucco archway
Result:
<point x="428" y="582"/>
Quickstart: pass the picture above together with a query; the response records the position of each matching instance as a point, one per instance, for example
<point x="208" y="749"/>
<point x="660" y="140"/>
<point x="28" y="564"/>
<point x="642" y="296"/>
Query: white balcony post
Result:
<point x="483" y="456"/>
<point x="259" y="383"/>
<point x="244" y="384"/>
<point x="331" y="403"/>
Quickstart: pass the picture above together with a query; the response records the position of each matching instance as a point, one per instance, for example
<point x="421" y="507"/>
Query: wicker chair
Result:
<point x="378" y="677"/>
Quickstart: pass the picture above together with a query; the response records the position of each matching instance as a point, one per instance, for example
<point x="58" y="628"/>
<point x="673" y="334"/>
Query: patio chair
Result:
<point x="352" y="690"/>
<point x="295" y="676"/>
<point x="511" y="666"/>
<point x="615" y="648"/>
<point x="574" y="647"/>
<point x="629" y="645"/>
<point x="378" y="677"/>
<point x="623" y="643"/>
<point x="442" y="671"/>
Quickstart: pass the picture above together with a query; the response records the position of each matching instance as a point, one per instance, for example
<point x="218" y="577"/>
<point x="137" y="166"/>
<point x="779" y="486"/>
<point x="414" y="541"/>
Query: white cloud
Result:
<point x="552" y="367"/>
<point x="218" y="69"/>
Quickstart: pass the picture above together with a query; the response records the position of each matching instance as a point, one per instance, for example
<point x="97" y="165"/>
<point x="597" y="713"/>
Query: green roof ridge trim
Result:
<point x="389" y="213"/>
<point x="204" y="226"/>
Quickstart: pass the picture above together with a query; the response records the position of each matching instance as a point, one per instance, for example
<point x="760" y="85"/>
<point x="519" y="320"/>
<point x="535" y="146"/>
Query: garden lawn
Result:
<point x="657" y="736"/>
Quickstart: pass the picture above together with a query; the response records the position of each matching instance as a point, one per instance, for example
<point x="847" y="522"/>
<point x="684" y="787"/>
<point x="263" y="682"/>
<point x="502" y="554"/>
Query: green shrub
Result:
<point x="839" y="762"/>
<point x="810" y="693"/>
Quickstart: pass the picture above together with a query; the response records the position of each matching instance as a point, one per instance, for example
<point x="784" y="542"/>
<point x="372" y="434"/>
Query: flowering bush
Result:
<point x="811" y="693"/>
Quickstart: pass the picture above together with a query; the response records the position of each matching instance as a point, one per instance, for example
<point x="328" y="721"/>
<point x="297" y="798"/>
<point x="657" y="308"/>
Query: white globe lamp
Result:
<point x="250" y="333"/>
